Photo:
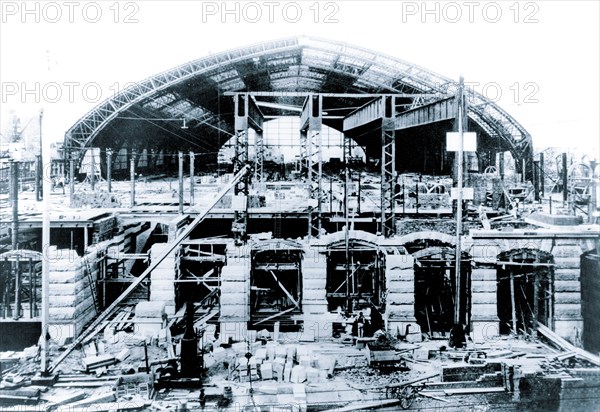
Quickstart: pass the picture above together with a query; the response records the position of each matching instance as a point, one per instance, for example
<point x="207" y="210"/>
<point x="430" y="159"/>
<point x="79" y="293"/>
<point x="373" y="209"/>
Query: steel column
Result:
<point x="259" y="158"/>
<point x="388" y="168"/>
<point x="239" y="226"/>
<point x="311" y="121"/>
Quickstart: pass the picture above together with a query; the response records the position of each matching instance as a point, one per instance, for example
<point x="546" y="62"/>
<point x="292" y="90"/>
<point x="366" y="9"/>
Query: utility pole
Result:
<point x="192" y="158"/>
<point x="39" y="172"/>
<point x="457" y="334"/>
<point x="109" y="169"/>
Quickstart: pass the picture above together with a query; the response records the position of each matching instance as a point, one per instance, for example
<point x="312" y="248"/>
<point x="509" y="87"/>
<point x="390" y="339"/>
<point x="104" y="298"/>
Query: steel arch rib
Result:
<point x="383" y="73"/>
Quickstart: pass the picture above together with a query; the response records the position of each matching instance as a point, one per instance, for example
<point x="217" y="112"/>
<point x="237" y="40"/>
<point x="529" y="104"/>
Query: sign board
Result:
<point x="469" y="141"/>
<point x="238" y="203"/>
<point x="467" y="193"/>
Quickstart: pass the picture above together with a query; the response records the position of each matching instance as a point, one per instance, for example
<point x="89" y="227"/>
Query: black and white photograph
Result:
<point x="299" y="206"/>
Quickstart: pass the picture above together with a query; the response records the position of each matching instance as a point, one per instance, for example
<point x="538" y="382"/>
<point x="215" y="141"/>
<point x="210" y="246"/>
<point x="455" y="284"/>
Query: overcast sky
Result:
<point x="539" y="59"/>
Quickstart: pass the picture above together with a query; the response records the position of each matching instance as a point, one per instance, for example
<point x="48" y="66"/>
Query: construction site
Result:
<point x="300" y="225"/>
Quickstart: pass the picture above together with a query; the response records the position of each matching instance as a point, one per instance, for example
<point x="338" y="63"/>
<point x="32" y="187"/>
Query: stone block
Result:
<point x="308" y="284"/>
<point x="485" y="253"/>
<point x="567" y="297"/>
<point x="238" y="298"/>
<point x="484" y="297"/>
<point x="234" y="311"/>
<point x="298" y="374"/>
<point x="266" y="370"/>
<point x="567" y="286"/>
<point x="484" y="275"/>
<point x="567" y="274"/>
<point x="150" y="309"/>
<point x="479" y="287"/>
<point x="314" y="294"/>
<point x="405" y="275"/>
<point x="399" y="262"/>
<point x="567" y="311"/>
<point x="62" y="289"/>
<point x="484" y="330"/>
<point x="162" y="295"/>
<point x="566" y="251"/>
<point x="166" y="273"/>
<point x="484" y="311"/>
<point x="67" y="276"/>
<point x="567" y="262"/>
<point x="397" y="286"/>
<point x="401" y="298"/>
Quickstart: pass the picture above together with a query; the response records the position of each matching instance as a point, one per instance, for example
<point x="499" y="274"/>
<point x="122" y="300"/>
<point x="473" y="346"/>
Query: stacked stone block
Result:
<point x="568" y="318"/>
<point x="484" y="311"/>
<point x="400" y="284"/>
<point x="314" y="294"/>
<point x="235" y="293"/>
<point x="71" y="301"/>
<point x="162" y="278"/>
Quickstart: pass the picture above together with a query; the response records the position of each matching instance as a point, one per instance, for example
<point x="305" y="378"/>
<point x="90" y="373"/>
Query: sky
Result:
<point x="539" y="60"/>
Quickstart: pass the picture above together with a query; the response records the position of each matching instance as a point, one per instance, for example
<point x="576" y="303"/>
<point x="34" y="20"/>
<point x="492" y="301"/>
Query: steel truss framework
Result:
<point x="304" y="64"/>
<point x="311" y="123"/>
<point x="247" y="115"/>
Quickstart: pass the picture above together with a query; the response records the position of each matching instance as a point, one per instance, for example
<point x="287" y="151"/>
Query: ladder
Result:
<point x="91" y="283"/>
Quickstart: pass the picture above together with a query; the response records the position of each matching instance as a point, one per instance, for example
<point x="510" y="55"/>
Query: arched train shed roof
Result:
<point x="144" y="114"/>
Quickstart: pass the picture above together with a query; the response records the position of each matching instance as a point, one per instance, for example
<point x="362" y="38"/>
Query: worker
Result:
<point x="361" y="325"/>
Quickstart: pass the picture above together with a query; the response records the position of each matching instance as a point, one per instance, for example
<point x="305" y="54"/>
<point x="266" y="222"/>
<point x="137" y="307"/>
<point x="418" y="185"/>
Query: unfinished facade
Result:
<point x="297" y="246"/>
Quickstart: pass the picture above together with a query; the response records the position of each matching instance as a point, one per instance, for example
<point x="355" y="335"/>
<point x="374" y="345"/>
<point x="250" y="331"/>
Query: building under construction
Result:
<point x="402" y="206"/>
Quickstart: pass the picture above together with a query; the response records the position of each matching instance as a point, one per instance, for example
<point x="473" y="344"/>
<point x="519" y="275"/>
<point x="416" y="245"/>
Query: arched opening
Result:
<point x="276" y="285"/>
<point x="525" y="290"/>
<point x="199" y="276"/>
<point x="356" y="279"/>
<point x="435" y="289"/>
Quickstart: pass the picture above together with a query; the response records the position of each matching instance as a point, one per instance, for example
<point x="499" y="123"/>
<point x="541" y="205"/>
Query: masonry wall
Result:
<point x="71" y="300"/>
<point x="314" y="294"/>
<point x="235" y="294"/>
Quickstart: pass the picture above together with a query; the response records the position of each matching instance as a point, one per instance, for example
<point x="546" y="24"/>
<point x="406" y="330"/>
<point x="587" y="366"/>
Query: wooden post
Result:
<point x="180" y="183"/>
<point x="192" y="158"/>
<point x="564" y="177"/>
<point x="132" y="178"/>
<point x="14" y="198"/>
<point x="31" y="280"/>
<point x="512" y="301"/>
<point x="71" y="176"/>
<point x="93" y="169"/>
<point x="17" y="271"/>
<point x="109" y="169"/>
<point x="535" y="300"/>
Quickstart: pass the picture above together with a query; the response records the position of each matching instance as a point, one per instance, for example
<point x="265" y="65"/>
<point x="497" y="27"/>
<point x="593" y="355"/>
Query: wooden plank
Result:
<point x="422" y="378"/>
<point x="566" y="346"/>
<point x="365" y="405"/>
<point x="472" y="391"/>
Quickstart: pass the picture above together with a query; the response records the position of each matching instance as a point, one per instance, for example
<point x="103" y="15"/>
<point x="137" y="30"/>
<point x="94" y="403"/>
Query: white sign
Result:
<point x="238" y="203"/>
<point x="469" y="141"/>
<point x="466" y="191"/>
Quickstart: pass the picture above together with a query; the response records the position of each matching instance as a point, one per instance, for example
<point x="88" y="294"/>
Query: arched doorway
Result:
<point x="276" y="285"/>
<point x="525" y="290"/>
<point x="435" y="289"/>
<point x="356" y="277"/>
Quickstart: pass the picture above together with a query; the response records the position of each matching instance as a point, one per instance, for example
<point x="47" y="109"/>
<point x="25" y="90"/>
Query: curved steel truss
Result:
<point x="304" y="64"/>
